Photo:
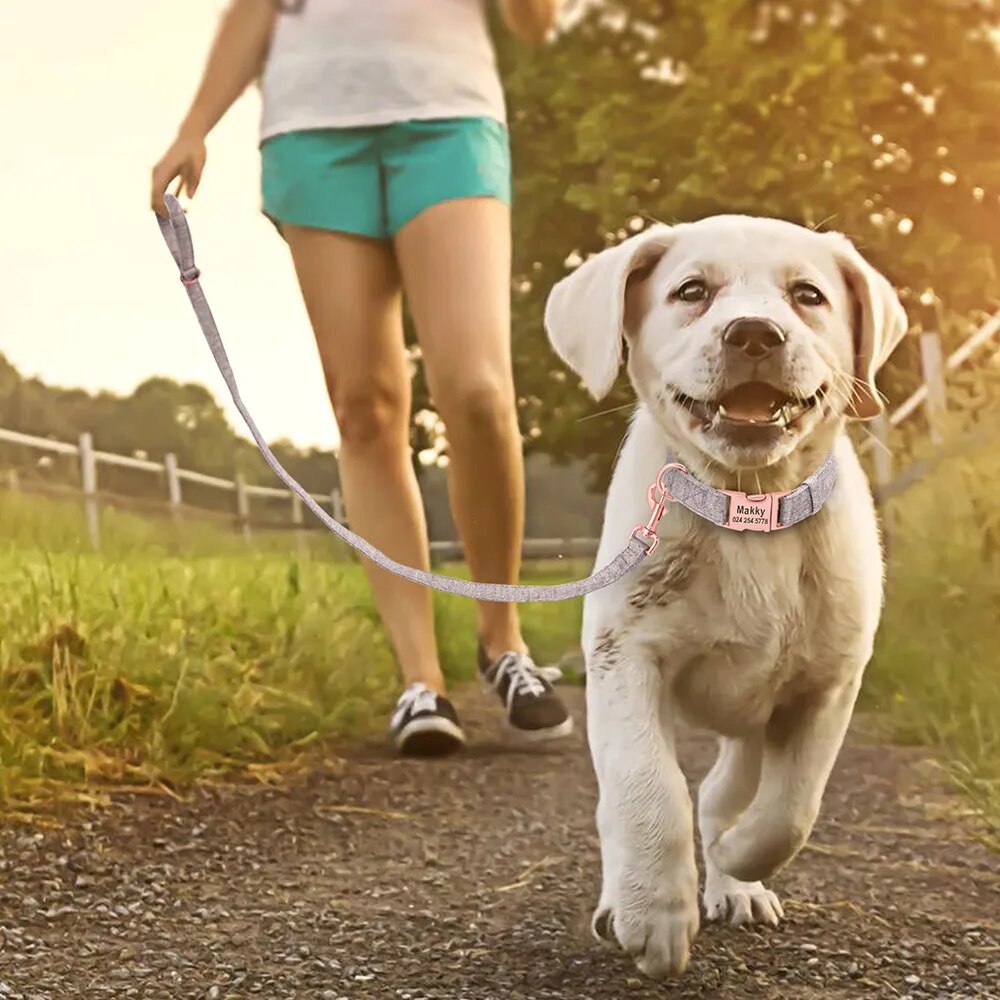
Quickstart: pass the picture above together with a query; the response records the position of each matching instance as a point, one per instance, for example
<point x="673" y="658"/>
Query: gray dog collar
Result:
<point x="733" y="509"/>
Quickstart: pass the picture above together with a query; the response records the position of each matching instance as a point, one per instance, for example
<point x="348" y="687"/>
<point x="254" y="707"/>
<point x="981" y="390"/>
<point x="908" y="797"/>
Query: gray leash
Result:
<point x="178" y="239"/>
<point x="729" y="509"/>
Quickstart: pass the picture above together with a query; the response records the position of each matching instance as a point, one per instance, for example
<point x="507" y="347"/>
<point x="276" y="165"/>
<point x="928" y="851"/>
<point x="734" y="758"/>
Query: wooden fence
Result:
<point x="931" y="395"/>
<point x="90" y="459"/>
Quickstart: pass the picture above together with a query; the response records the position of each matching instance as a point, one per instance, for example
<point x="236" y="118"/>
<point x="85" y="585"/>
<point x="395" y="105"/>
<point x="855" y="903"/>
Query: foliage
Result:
<point x="874" y="117"/>
<point x="935" y="678"/>
<point x="135" y="667"/>
<point x="162" y="416"/>
<point x="158" y="417"/>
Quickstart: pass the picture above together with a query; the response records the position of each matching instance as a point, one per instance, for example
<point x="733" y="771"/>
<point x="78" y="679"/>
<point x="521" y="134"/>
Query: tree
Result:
<point x="158" y="417"/>
<point x="874" y="117"/>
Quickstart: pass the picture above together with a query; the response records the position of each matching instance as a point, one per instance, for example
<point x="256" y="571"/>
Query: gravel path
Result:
<point x="474" y="878"/>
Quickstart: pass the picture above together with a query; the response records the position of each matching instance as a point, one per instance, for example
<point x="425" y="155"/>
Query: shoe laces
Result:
<point x="553" y="674"/>
<point x="418" y="697"/>
<point x="525" y="677"/>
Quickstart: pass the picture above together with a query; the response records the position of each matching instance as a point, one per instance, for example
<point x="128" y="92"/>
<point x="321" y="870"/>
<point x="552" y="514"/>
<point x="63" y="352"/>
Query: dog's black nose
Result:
<point x="754" y="336"/>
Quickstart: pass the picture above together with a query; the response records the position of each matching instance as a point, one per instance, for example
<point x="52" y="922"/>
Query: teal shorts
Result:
<point x="371" y="181"/>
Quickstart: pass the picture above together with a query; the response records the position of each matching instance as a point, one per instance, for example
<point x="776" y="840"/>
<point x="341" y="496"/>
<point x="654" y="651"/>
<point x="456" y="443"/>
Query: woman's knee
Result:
<point x="477" y="405"/>
<point x="369" y="413"/>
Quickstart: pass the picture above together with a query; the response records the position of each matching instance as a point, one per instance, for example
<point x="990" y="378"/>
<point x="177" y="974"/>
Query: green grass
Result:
<point x="935" y="677"/>
<point x="177" y="654"/>
<point x="142" y="665"/>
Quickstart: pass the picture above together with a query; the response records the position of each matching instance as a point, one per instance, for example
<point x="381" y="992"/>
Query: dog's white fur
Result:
<point x="762" y="638"/>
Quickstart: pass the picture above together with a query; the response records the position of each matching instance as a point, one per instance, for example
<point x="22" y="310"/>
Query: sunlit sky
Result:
<point x="89" y="297"/>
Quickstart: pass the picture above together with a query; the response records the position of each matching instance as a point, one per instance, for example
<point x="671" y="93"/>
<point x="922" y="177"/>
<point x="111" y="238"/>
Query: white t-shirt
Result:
<point x="343" y="63"/>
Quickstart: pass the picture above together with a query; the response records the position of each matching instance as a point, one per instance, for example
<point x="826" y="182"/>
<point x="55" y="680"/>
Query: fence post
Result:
<point x="297" y="520"/>
<point x="883" y="453"/>
<point x="243" y="505"/>
<point x="883" y="474"/>
<point x="337" y="506"/>
<point x="13" y="481"/>
<point x="88" y="479"/>
<point x="932" y="367"/>
<point x="173" y="485"/>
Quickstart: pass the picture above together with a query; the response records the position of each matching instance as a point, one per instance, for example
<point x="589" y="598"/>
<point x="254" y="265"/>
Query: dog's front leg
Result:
<point x="727" y="790"/>
<point x="649" y="896"/>
<point x="800" y="747"/>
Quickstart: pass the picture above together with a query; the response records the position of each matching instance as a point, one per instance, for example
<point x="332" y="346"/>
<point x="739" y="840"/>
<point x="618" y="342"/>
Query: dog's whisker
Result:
<point x="846" y="386"/>
<point x="853" y="392"/>
<point x="819" y="225"/>
<point x="864" y="385"/>
<point x="877" y="441"/>
<point x="602" y="413"/>
<point x="618" y="452"/>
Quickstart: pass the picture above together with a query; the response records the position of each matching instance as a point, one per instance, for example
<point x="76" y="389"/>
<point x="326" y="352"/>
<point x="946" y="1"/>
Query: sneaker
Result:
<point x="534" y="710"/>
<point x="425" y="723"/>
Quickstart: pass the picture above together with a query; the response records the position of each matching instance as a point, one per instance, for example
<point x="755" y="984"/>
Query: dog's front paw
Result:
<point x="657" y="927"/>
<point x="740" y="903"/>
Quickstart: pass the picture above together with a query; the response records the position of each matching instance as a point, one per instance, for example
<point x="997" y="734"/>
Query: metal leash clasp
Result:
<point x="657" y="496"/>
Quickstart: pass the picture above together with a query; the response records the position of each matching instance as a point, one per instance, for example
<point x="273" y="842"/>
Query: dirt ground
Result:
<point x="474" y="878"/>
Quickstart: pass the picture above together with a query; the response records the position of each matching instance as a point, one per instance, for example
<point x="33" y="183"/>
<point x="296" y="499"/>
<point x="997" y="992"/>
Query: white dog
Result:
<point x="750" y="344"/>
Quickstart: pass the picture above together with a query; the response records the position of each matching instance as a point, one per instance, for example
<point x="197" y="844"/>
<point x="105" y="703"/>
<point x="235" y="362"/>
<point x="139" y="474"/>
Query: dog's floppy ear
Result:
<point x="880" y="323"/>
<point x="585" y="312"/>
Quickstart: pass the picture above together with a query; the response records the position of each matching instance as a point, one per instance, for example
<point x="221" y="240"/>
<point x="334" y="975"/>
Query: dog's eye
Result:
<point x="807" y="294"/>
<point x="692" y="290"/>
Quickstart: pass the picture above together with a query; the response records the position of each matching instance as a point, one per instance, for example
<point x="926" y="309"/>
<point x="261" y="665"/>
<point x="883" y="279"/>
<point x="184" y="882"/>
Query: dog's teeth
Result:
<point x="722" y="411"/>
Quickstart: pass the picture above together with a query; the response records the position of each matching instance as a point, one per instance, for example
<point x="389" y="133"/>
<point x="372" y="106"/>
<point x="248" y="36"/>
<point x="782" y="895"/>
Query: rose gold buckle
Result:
<point x="753" y="511"/>
<point x="657" y="496"/>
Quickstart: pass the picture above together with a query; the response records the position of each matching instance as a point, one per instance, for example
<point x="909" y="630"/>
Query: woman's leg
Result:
<point x="455" y="261"/>
<point x="351" y="289"/>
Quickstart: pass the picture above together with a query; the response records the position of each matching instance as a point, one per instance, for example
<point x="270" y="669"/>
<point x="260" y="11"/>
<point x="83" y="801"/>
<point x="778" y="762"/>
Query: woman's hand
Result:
<point x="237" y="57"/>
<point x="530" y="20"/>
<point x="184" y="159"/>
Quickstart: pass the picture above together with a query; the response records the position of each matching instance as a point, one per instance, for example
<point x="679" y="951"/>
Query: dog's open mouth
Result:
<point x="752" y="404"/>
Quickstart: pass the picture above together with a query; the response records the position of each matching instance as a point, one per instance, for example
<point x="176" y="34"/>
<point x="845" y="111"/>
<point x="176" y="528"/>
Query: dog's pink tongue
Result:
<point x="753" y="401"/>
